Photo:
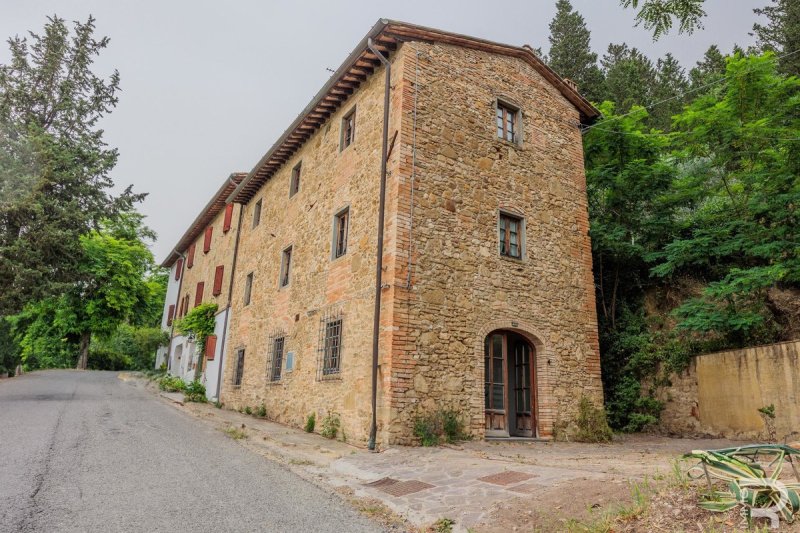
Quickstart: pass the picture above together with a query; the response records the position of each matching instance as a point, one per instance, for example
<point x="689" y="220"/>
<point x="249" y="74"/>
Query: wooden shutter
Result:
<point x="218" y="280"/>
<point x="190" y="257"/>
<point x="178" y="268"/>
<point x="207" y="239"/>
<point x="226" y="224"/>
<point x="170" y="314"/>
<point x="211" y="347"/>
<point x="198" y="295"/>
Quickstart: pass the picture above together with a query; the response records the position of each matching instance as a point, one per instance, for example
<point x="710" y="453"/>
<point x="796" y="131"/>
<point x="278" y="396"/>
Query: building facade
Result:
<point x="487" y="298"/>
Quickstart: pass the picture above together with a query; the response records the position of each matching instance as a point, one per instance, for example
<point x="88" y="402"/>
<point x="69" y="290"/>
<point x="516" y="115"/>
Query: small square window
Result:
<point x="507" y="122"/>
<point x="294" y="186"/>
<point x="248" y="288"/>
<point x="341" y="225"/>
<point x="511" y="232"/>
<point x="238" y="371"/>
<point x="286" y="266"/>
<point x="276" y="358"/>
<point x="348" y="129"/>
<point x="257" y="214"/>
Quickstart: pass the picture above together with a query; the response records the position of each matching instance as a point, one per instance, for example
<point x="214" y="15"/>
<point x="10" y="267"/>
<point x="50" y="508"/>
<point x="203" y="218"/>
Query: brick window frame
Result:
<point x="508" y="121"/>
<point x="341" y="230"/>
<point x="219" y="273"/>
<point x="294" y="182"/>
<point x="511" y="235"/>
<point x="348" y="129"/>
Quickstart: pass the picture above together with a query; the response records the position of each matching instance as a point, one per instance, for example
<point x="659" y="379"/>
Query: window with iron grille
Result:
<point x="286" y="266"/>
<point x="330" y="345"/>
<point x="238" y="371"/>
<point x="511" y="234"/>
<point x="507" y="122"/>
<point x="348" y="129"/>
<point x="341" y="224"/>
<point x="248" y="288"/>
<point x="257" y="214"/>
<point x="294" y="186"/>
<point x="277" y="342"/>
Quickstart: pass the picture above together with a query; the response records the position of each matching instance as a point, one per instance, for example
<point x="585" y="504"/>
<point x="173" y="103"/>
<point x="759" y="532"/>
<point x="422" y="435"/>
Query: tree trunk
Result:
<point x="83" y="357"/>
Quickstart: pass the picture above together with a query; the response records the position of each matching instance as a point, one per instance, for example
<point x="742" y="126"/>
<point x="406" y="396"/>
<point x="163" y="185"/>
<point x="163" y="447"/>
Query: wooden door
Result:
<point x="495" y="349"/>
<point x="523" y="392"/>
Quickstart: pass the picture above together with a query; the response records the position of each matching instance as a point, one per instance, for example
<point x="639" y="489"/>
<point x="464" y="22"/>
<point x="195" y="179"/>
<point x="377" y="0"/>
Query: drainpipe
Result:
<point x="230" y="299"/>
<point x="182" y="257"/>
<point x="373" y="430"/>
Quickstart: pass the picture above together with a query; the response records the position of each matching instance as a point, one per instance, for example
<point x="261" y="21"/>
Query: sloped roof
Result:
<point x="206" y="216"/>
<point x="386" y="35"/>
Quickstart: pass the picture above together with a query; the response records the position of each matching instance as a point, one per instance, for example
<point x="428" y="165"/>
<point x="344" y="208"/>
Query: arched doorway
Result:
<point x="509" y="385"/>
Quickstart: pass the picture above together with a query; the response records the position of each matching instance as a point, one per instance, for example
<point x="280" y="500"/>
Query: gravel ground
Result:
<point x="83" y="451"/>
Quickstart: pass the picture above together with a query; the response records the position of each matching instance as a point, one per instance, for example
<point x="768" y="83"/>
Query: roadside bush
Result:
<point x="248" y="410"/>
<point x="311" y="422"/>
<point x="171" y="384"/>
<point x="104" y="359"/>
<point x="261" y="412"/>
<point x="330" y="425"/>
<point x="195" y="392"/>
<point x="591" y="423"/>
<point x="443" y="425"/>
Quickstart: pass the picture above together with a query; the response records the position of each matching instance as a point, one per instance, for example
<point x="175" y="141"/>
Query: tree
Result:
<point x="669" y="92"/>
<point x="54" y="163"/>
<point x="629" y="77"/>
<point x="708" y="70"/>
<point x="781" y="34"/>
<point x="570" y="54"/>
<point x="657" y="15"/>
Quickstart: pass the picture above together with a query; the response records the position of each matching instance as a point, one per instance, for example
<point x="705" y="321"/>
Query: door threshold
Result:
<point x="518" y="439"/>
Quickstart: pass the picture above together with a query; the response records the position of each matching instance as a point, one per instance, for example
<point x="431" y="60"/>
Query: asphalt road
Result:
<point x="85" y="451"/>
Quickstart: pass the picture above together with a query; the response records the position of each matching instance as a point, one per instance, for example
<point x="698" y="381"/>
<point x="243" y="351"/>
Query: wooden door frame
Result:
<point x="534" y="388"/>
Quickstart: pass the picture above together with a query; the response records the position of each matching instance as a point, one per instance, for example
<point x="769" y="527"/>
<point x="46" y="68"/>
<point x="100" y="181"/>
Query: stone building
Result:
<point x="486" y="290"/>
<point x="201" y="269"/>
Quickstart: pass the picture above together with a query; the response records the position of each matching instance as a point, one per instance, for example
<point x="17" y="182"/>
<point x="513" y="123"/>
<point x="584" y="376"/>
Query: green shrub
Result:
<point x="218" y="404"/>
<point x="195" y="392"/>
<point x="171" y="384"/>
<point x="330" y="425"/>
<point x="261" y="412"/>
<point x="311" y="422"/>
<point x="104" y="359"/>
<point x="443" y="425"/>
<point x="248" y="410"/>
<point x="591" y="423"/>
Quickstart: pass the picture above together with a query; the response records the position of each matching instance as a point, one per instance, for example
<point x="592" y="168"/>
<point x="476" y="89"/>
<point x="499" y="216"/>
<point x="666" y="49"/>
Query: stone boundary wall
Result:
<point x="719" y="394"/>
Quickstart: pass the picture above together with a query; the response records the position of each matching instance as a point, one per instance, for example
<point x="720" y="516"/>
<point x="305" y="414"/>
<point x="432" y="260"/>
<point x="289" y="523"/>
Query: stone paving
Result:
<point x="467" y="480"/>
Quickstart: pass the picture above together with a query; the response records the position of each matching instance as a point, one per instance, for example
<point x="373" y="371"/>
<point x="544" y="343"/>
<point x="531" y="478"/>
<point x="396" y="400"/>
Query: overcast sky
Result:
<point x="208" y="86"/>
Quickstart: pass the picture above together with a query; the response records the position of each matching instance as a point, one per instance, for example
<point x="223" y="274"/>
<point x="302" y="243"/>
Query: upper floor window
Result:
<point x="248" y="288"/>
<point x="348" y="129"/>
<point x="207" y="239"/>
<point x="190" y="256"/>
<point x="341" y="223"/>
<point x="238" y="371"/>
<point x="294" y="186"/>
<point x="178" y="268"/>
<point x="219" y="272"/>
<point x="507" y="122"/>
<point x="198" y="295"/>
<point x="275" y="361"/>
<point x="511" y="231"/>
<point x="286" y="265"/>
<point x="226" y="222"/>
<point x="257" y="213"/>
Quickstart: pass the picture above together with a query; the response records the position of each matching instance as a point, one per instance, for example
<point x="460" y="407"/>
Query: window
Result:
<point x="178" y="268"/>
<point x="275" y="360"/>
<point x="198" y="295"/>
<point x="211" y="347"/>
<point x="185" y="304"/>
<point x="190" y="257"/>
<point x="341" y="223"/>
<point x="207" y="239"/>
<point x="294" y="186"/>
<point x="238" y="370"/>
<point x="348" y="129"/>
<point x="218" y="274"/>
<point x="507" y="122"/>
<point x="170" y="314"/>
<point x="511" y="231"/>
<point x="286" y="265"/>
<point x="332" y="347"/>
<point x="257" y="213"/>
<point x="248" y="288"/>
<point x="226" y="223"/>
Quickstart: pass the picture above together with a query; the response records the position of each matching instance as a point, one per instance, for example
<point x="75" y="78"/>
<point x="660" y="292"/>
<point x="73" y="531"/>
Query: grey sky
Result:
<point x="209" y="86"/>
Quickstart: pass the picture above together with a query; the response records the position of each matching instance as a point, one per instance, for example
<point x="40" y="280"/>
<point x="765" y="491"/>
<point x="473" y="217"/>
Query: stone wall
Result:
<point x="461" y="288"/>
<point x="719" y="394"/>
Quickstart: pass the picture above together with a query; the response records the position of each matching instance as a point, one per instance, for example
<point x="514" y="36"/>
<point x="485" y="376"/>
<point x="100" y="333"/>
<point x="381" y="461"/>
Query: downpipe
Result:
<point x="376" y="325"/>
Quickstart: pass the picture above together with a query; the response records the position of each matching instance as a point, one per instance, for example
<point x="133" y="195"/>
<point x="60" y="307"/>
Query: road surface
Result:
<point x="85" y="451"/>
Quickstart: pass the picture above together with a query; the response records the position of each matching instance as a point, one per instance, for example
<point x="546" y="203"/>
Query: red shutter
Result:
<point x="218" y="280"/>
<point x="198" y="295"/>
<point x="207" y="239"/>
<point x="211" y="347"/>
<point x="178" y="268"/>
<point x="170" y="314"/>
<point x="190" y="257"/>
<point x="226" y="224"/>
